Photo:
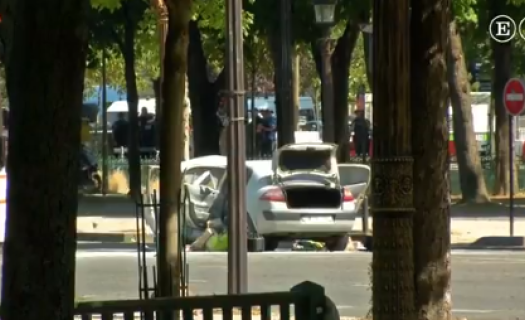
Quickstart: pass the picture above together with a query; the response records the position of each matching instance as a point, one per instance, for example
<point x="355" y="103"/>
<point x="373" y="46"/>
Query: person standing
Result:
<point x="361" y="133"/>
<point x="120" y="131"/>
<point x="267" y="127"/>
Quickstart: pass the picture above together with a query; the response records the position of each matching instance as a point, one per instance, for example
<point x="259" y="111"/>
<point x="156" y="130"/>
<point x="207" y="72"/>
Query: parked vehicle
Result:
<point x="303" y="193"/>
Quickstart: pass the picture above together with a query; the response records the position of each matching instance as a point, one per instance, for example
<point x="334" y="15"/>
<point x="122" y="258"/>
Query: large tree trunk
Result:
<point x="392" y="166"/>
<point x="502" y="72"/>
<point x="204" y="97"/>
<point x="45" y="76"/>
<point x="471" y="176"/>
<point x="429" y="101"/>
<point x="172" y="144"/>
<point x="128" y="53"/>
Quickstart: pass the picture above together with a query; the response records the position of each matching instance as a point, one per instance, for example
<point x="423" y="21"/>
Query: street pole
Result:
<point x="287" y="133"/>
<point x="105" y="170"/>
<point x="327" y="94"/>
<point x="237" y="233"/>
<point x="511" y="174"/>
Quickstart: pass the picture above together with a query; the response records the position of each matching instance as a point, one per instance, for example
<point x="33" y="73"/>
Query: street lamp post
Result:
<point x="237" y="235"/>
<point x="324" y="17"/>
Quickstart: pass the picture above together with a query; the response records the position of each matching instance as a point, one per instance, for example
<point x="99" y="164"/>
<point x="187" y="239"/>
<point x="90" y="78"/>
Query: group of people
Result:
<point x="120" y="130"/>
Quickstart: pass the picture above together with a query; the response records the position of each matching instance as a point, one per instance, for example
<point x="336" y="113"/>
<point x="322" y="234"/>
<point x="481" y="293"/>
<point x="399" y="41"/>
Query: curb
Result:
<point x="500" y="241"/>
<point x="111" y="237"/>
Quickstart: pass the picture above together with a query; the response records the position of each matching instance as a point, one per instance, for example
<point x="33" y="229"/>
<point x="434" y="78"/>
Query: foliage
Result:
<point x="106" y="26"/>
<point x="358" y="70"/>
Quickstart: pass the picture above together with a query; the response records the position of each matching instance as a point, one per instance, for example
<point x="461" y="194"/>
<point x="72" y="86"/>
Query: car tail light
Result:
<point x="273" y="194"/>
<point x="347" y="195"/>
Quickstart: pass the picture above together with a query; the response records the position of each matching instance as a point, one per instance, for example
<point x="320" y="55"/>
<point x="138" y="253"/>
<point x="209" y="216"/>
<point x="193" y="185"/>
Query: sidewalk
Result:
<point x="468" y="230"/>
<point x="464" y="230"/>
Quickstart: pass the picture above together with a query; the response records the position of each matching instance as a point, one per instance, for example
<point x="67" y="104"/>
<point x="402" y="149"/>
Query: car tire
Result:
<point x="270" y="244"/>
<point x="337" y="243"/>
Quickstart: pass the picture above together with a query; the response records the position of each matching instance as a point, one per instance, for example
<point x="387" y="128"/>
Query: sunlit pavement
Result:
<point x="485" y="284"/>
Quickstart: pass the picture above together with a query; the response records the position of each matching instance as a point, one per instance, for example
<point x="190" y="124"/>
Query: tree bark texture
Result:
<point x="128" y="52"/>
<point x="471" y="178"/>
<point x="296" y="82"/>
<point x="45" y="77"/>
<point x="204" y="97"/>
<point x="172" y="144"/>
<point x="502" y="73"/>
<point x="392" y="165"/>
<point x="429" y="101"/>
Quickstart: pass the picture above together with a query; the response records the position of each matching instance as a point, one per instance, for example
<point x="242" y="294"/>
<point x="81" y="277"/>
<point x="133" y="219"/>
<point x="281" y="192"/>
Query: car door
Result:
<point x="356" y="178"/>
<point x="200" y="191"/>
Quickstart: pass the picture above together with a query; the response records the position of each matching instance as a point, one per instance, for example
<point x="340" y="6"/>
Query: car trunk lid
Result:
<point x="308" y="175"/>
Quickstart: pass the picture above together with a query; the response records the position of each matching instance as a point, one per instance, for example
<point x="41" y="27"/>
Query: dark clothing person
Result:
<point x="258" y="134"/>
<point x="147" y="136"/>
<point x="361" y="135"/>
<point x="120" y="133"/>
<point x="269" y="136"/>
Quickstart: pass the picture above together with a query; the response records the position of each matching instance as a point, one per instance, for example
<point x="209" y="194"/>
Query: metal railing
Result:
<point x="305" y="301"/>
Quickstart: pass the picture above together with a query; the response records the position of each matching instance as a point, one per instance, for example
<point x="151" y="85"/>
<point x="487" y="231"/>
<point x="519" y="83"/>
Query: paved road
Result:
<point x="486" y="285"/>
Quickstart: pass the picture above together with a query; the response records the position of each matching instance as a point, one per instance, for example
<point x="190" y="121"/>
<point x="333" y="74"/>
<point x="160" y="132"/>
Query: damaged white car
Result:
<point x="303" y="193"/>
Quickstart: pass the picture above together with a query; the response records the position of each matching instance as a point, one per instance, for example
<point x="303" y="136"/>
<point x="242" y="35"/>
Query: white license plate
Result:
<point x="318" y="219"/>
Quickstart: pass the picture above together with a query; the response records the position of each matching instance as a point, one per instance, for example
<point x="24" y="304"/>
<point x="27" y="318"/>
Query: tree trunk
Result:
<point x="133" y="104"/>
<point x="429" y="101"/>
<point x="502" y="72"/>
<point x="392" y="166"/>
<point x="285" y="127"/>
<point x="471" y="176"/>
<point x="341" y="59"/>
<point x="204" y="97"/>
<point x="45" y="76"/>
<point x="501" y="54"/>
<point x="172" y="145"/>
<point x="296" y="81"/>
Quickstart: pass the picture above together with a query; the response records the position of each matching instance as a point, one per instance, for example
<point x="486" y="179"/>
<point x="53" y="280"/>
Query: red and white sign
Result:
<point x="514" y="96"/>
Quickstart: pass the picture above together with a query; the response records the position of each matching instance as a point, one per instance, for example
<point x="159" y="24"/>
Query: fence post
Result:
<point x="365" y="215"/>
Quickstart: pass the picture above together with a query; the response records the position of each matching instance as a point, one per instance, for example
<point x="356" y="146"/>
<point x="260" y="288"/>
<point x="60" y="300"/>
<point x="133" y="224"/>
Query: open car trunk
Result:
<point x="314" y="197"/>
<point x="308" y="175"/>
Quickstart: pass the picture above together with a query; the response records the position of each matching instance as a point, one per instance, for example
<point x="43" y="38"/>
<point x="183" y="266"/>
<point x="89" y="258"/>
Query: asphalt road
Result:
<point x="485" y="285"/>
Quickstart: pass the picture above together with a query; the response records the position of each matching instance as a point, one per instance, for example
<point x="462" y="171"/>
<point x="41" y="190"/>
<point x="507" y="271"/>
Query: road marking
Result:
<point x="473" y="311"/>
<point x="344" y="307"/>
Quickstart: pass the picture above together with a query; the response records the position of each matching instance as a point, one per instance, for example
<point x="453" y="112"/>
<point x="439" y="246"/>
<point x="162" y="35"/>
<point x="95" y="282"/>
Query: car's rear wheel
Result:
<point x="270" y="244"/>
<point x="338" y="243"/>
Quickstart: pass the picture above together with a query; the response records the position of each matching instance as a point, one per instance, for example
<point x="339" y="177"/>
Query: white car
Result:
<point x="301" y="193"/>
